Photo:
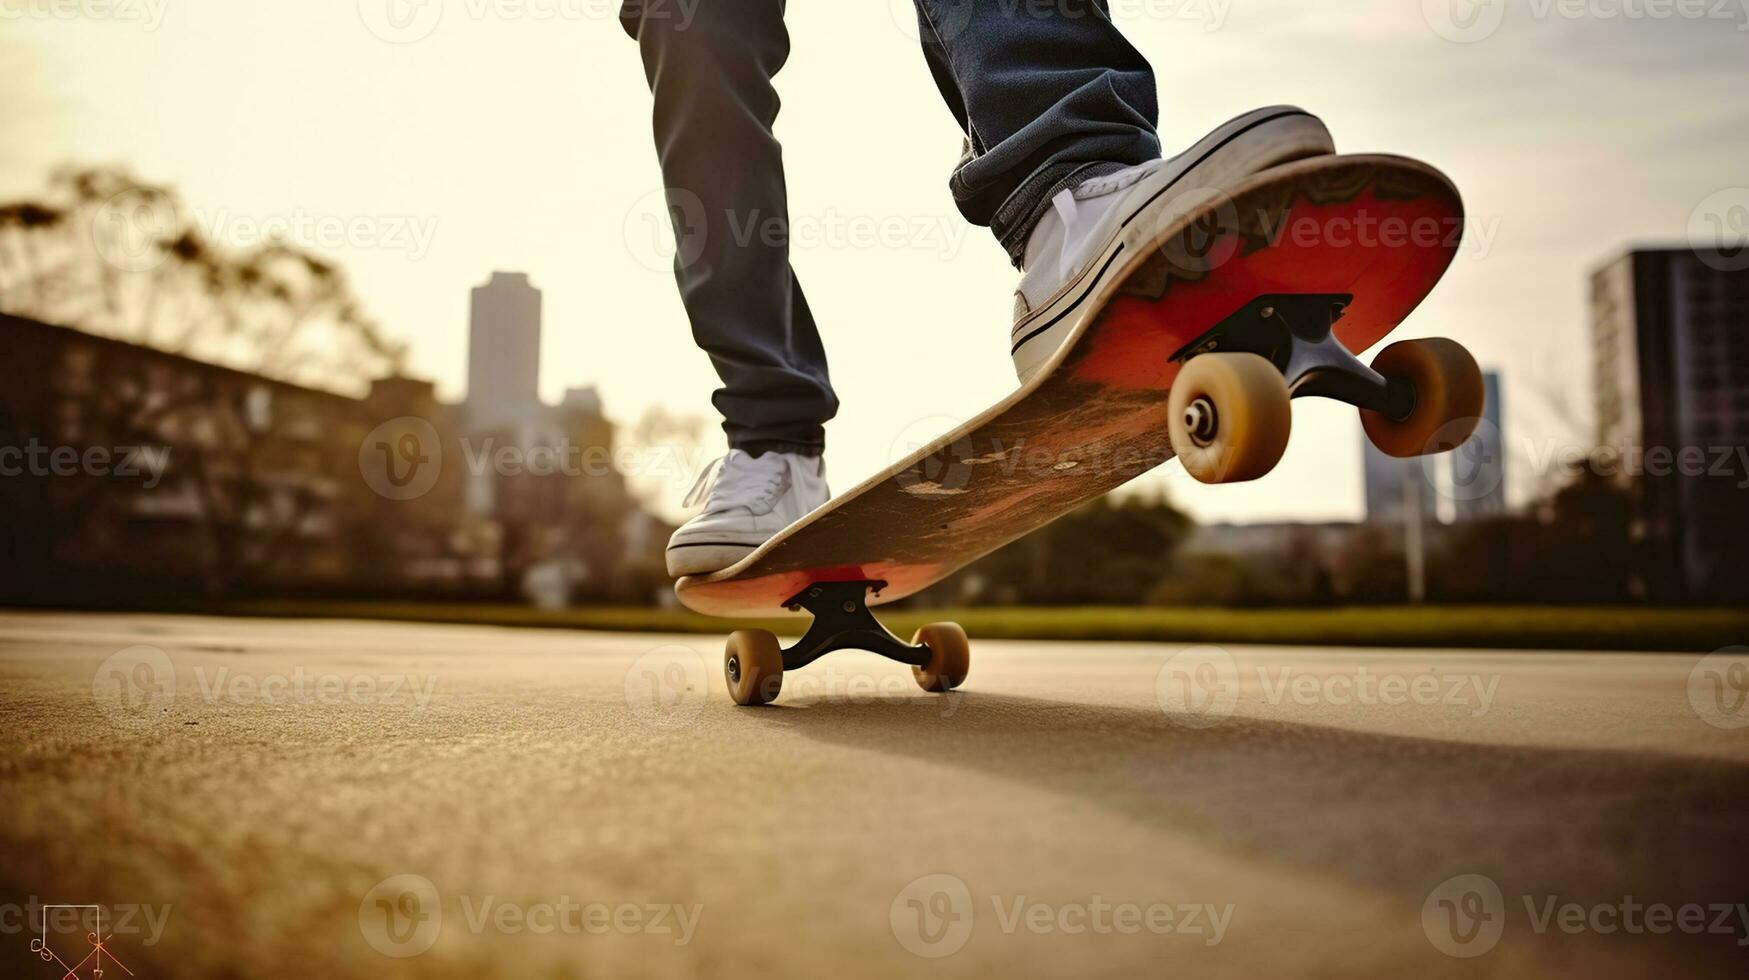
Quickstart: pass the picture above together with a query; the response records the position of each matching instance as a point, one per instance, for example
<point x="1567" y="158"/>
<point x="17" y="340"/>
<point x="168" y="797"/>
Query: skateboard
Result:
<point x="1253" y="296"/>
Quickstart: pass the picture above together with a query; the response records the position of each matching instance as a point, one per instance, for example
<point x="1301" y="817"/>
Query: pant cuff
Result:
<point x="1021" y="213"/>
<point x="759" y="447"/>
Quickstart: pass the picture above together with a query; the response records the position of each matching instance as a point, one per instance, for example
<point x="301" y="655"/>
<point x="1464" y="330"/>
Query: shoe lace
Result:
<point x="739" y="480"/>
<point x="1064" y="204"/>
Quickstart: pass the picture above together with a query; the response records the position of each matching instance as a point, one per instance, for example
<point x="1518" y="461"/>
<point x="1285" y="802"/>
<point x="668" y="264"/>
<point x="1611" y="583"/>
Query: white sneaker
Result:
<point x="1102" y="228"/>
<point x="747" y="499"/>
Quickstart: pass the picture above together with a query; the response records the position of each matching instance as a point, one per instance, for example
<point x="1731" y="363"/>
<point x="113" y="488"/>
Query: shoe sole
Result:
<point x="704" y="557"/>
<point x="1239" y="148"/>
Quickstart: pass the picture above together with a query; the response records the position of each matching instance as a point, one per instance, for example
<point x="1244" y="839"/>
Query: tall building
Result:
<point x="1391" y="484"/>
<point x="1670" y="360"/>
<point x="543" y="475"/>
<point x="1478" y="467"/>
<point x="503" y="351"/>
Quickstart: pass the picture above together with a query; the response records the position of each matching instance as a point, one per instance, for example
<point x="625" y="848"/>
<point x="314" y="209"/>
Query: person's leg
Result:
<point x="1062" y="160"/>
<point x="723" y="170"/>
<point x="1048" y="95"/>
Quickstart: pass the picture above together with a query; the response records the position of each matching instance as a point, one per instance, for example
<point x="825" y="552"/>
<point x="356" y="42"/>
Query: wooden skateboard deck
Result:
<point x="1380" y="229"/>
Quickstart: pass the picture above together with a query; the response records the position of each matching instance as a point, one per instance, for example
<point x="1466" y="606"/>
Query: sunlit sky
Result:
<point x="515" y="135"/>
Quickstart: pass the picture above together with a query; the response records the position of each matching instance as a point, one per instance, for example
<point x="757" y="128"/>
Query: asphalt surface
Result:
<point x="336" y="799"/>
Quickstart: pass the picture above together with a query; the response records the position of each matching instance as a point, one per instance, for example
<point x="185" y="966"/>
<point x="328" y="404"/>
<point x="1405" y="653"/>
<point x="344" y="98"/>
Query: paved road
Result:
<point x="334" y="799"/>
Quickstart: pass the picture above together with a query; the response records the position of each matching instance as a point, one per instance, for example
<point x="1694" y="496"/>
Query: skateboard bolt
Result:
<point x="850" y="605"/>
<point x="1199" y="419"/>
<point x="1266" y="312"/>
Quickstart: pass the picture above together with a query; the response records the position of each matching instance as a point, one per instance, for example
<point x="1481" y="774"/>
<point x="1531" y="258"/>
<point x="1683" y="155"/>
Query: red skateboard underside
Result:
<point x="1383" y="229"/>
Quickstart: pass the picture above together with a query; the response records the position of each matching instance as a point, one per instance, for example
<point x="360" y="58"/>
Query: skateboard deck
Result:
<point x="1376" y="231"/>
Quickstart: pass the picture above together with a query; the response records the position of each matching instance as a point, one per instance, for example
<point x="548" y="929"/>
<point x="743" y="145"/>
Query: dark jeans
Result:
<point x="1049" y="94"/>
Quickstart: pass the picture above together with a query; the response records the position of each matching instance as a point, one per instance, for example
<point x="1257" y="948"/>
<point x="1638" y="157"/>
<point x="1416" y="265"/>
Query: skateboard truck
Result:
<point x="1229" y="414"/>
<point x="754" y="661"/>
<point x="1296" y="333"/>
<point x="842" y="621"/>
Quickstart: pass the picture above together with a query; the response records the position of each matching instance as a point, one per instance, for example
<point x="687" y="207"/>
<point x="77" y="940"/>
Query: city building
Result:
<point x="504" y="325"/>
<point x="126" y="471"/>
<point x="132" y="474"/>
<point x="548" y="481"/>
<point x="1670" y="362"/>
<point x="1478" y="467"/>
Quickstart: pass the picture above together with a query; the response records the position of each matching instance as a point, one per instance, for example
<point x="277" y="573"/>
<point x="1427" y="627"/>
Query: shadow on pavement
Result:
<point x="1400" y="812"/>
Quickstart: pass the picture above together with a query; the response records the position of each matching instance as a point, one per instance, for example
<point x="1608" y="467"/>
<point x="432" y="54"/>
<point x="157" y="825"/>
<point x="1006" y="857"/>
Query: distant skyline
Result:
<point x="494" y="141"/>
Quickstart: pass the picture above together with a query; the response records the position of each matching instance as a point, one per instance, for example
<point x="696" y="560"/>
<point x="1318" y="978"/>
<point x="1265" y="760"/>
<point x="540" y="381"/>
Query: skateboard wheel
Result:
<point x="753" y="666"/>
<point x="1448" y="398"/>
<point x="950" y="657"/>
<point x="1230" y="417"/>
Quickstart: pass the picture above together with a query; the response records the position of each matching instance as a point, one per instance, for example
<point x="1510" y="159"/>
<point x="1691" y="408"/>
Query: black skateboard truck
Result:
<point x="843" y="621"/>
<point x="1296" y="332"/>
<point x="754" y="661"/>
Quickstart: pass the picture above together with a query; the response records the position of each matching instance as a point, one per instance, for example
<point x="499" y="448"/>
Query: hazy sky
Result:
<point x="515" y="135"/>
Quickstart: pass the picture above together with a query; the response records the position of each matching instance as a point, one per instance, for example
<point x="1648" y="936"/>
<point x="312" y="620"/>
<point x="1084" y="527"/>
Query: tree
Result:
<point x="112" y="255"/>
<point x="1573" y="545"/>
<point x="1114" y="550"/>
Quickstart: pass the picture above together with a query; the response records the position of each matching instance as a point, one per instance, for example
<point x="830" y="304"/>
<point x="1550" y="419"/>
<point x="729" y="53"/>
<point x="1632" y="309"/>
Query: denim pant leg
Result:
<point x="1048" y="95"/>
<point x="710" y="66"/>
